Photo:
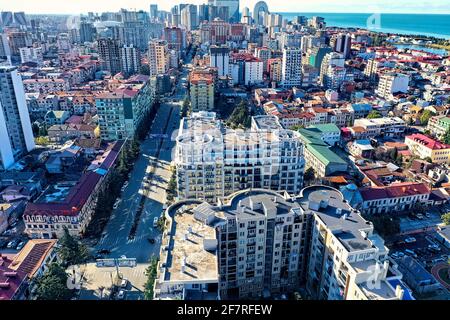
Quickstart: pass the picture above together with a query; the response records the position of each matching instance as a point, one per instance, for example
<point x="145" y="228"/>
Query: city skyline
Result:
<point x="319" y="6"/>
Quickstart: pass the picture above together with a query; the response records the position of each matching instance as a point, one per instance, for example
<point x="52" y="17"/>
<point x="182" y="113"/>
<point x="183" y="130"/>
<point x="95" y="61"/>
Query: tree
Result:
<point x="446" y="218"/>
<point x="240" y="117"/>
<point x="374" y="114"/>
<point x="151" y="273"/>
<point x="446" y="137"/>
<point x="71" y="251"/>
<point x="309" y="175"/>
<point x="185" y="107"/>
<point x="426" y="115"/>
<point x="43" y="131"/>
<point x="35" y="128"/>
<point x="385" y="225"/>
<point x="42" y="141"/>
<point x="52" y="285"/>
<point x="145" y="69"/>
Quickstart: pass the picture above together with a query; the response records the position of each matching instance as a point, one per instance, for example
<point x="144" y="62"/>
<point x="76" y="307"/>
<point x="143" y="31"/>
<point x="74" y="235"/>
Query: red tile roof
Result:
<point x="394" y="191"/>
<point x="427" y="141"/>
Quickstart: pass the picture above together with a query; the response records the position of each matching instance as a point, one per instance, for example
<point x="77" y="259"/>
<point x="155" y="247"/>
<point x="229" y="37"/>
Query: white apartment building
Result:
<point x="388" y="127"/>
<point x="391" y="83"/>
<point x="292" y="67"/>
<point x="332" y="70"/>
<point x="259" y="243"/>
<point x="253" y="72"/>
<point x="219" y="57"/>
<point x="213" y="161"/>
<point x="130" y="60"/>
<point x="158" y="57"/>
<point x="16" y="134"/>
<point x="31" y="54"/>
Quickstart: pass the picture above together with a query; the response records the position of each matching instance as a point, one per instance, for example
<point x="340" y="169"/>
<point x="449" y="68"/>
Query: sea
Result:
<point x="431" y="25"/>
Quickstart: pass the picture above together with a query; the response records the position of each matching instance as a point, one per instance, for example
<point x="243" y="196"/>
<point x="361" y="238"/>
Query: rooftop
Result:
<point x="427" y="141"/>
<point x="394" y="191"/>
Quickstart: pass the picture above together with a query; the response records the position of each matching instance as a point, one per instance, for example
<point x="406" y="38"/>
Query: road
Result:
<point x="150" y="176"/>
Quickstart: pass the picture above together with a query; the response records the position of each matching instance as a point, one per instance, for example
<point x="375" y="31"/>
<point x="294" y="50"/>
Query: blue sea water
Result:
<point x="435" y="25"/>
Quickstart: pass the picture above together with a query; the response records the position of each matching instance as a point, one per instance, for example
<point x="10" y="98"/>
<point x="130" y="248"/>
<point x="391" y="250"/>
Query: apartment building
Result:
<point x="425" y="147"/>
<point x="438" y="126"/>
<point x="121" y="110"/>
<point x="158" y="57"/>
<point x="16" y="134"/>
<point x="259" y="243"/>
<point x="109" y="53"/>
<point x="387" y="127"/>
<point x="47" y="217"/>
<point x="31" y="54"/>
<point x="45" y="85"/>
<point x="391" y="83"/>
<point x="394" y="198"/>
<point x="292" y="67"/>
<point x="202" y="91"/>
<point x="213" y="161"/>
<point x="130" y="60"/>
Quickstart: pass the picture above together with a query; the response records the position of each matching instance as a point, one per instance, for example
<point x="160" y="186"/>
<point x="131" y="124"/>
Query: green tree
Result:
<point x="309" y="175"/>
<point x="446" y="137"/>
<point x="43" y="131"/>
<point x="145" y="69"/>
<point x="446" y="218"/>
<point x="374" y="114"/>
<point x="35" y="128"/>
<point x="150" y="273"/>
<point x="52" y="285"/>
<point x="185" y="107"/>
<point x="385" y="225"/>
<point x="240" y="117"/>
<point x="426" y="115"/>
<point x="71" y="251"/>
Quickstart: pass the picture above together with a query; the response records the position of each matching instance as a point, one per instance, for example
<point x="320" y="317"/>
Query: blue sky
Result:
<point x="77" y="6"/>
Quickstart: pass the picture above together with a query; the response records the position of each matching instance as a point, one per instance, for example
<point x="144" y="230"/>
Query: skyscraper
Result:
<point x="292" y="67"/>
<point x="130" y="59"/>
<point x="220" y="59"/>
<point x="158" y="57"/>
<point x="16" y="134"/>
<point x="153" y="12"/>
<point x="343" y="44"/>
<point x="87" y="32"/>
<point x="233" y="8"/>
<point x="109" y="53"/>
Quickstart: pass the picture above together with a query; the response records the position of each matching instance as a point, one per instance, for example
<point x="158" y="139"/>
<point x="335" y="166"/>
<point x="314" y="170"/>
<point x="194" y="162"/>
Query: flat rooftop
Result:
<point x="186" y="247"/>
<point x="338" y="216"/>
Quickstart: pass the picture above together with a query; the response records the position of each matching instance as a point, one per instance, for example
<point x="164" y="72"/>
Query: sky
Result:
<point x="360" y="6"/>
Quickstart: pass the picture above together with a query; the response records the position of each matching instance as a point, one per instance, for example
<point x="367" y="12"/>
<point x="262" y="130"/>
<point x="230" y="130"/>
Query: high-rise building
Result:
<point x="31" y="54"/>
<point x="292" y="67"/>
<point x="213" y="162"/>
<point x="261" y="243"/>
<point x="343" y="44"/>
<point x="316" y="55"/>
<point x="332" y="70"/>
<point x="153" y="12"/>
<point x="158" y="57"/>
<point x="391" y="83"/>
<point x="259" y="11"/>
<point x="121" y="111"/>
<point x="20" y="18"/>
<point x="189" y="17"/>
<point x="6" y="18"/>
<point x="16" y="134"/>
<point x="109" y="52"/>
<point x="202" y="89"/>
<point x="219" y="57"/>
<point x="130" y="60"/>
<point x="17" y="40"/>
<point x="232" y="8"/>
<point x="87" y="32"/>
<point x="175" y="37"/>
<point x="5" y="51"/>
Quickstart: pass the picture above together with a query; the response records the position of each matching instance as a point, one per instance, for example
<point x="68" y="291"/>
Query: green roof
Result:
<point x="318" y="148"/>
<point x="324" y="154"/>
<point x="328" y="127"/>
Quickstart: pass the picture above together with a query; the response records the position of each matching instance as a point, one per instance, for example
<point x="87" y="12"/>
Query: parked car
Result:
<point x="20" y="245"/>
<point x="121" y="295"/>
<point x="410" y="240"/>
<point x="434" y="248"/>
<point x="12" y="244"/>
<point x="397" y="255"/>
<point x="155" y="222"/>
<point x="411" y="253"/>
<point x="419" y="216"/>
<point x="124" y="283"/>
<point x="151" y="240"/>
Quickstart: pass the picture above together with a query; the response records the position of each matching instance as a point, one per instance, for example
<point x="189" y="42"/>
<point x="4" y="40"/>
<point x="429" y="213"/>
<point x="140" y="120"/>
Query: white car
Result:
<point x="410" y="240"/>
<point x="121" y="295"/>
<point x="124" y="283"/>
<point x="155" y="222"/>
